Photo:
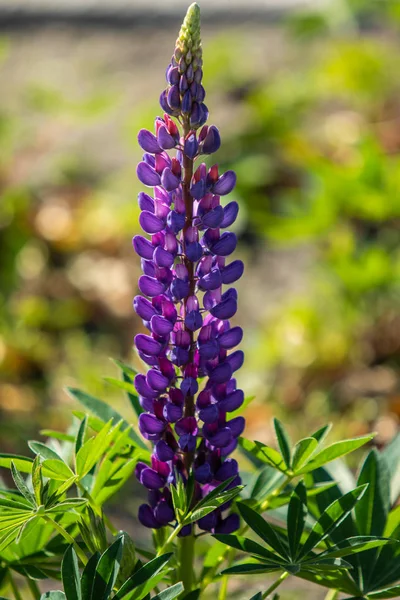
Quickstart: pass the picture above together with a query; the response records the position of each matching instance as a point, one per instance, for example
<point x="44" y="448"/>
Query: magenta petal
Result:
<point x="147" y="175"/>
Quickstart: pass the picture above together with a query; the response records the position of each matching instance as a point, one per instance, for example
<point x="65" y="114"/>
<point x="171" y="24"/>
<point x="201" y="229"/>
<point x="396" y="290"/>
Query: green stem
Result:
<point x="14" y="588"/>
<point x="33" y="586"/>
<point x="276" y="584"/>
<point x="186" y="562"/>
<point x="170" y="539"/>
<point x="68" y="537"/>
<point x="332" y="595"/>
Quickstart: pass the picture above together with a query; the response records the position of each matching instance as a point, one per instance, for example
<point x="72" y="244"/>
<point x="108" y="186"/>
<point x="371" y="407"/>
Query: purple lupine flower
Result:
<point x="186" y="309"/>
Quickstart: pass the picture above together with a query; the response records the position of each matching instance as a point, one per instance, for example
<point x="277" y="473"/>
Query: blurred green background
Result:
<point x="309" y="112"/>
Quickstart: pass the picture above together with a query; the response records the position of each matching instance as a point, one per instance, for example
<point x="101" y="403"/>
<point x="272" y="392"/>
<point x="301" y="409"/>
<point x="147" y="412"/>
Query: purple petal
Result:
<point x="156" y="380"/>
<point x="198" y="189"/>
<point x="225" y="309"/>
<point x="180" y="289"/>
<point x="179" y="356"/>
<point x="219" y="439"/>
<point x="209" y="349"/>
<point x="193" y="320"/>
<point x="189" y="386"/>
<point x="165" y="139"/>
<point x="194" y="251"/>
<point x="236" y="360"/>
<point x="237" y="426"/>
<point x="209" y="522"/>
<point x="225" y="183"/>
<point x="228" y="525"/>
<point x="162" y="258"/>
<point x="173" y="97"/>
<point x="212" y="140"/>
<point x="144" y="308"/>
<point x="150" y="287"/>
<point x="213" y="218"/>
<point x="209" y="414"/>
<point x="232" y="402"/>
<point x="187" y="102"/>
<point x="143" y="388"/>
<point x="147" y="175"/>
<point x="151" y="479"/>
<point x="169" y="181"/>
<point x="148" y="141"/>
<point x="211" y="281"/>
<point x="147" y="344"/>
<point x="143" y="247"/>
<point x="172" y="412"/>
<point x="147" y="518"/>
<point x="150" y="424"/>
<point x="163" y="451"/>
<point x="225" y="245"/>
<point x="150" y="223"/>
<point x="145" y="202"/>
<point x="164" y="513"/>
<point x="191" y="145"/>
<point x="203" y="474"/>
<point x="175" y="221"/>
<point x="232" y="272"/>
<point x="221" y="374"/>
<point x="231" y="338"/>
<point x="161" y="326"/>
<point x="173" y="76"/>
<point x="229" y="469"/>
<point x="230" y="213"/>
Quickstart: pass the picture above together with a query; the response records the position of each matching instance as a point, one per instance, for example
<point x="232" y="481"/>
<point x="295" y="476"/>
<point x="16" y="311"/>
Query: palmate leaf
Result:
<point x="263" y="529"/>
<point x="43" y="450"/>
<point x="21" y="485"/>
<point x="22" y="463"/>
<point x="372" y="510"/>
<point x="265" y="481"/>
<point x="336" y="580"/>
<point x="331" y="518"/>
<point x="302" y="452"/>
<point x="252" y="569"/>
<point x="57" y="470"/>
<point x="88" y="576"/>
<point x="391" y="592"/>
<point x="246" y="545"/>
<point x="211" y="504"/>
<point x="53" y="596"/>
<point x="391" y="454"/>
<point x="355" y="545"/>
<point x="334" y="451"/>
<point x="264" y="454"/>
<point x="258" y="596"/>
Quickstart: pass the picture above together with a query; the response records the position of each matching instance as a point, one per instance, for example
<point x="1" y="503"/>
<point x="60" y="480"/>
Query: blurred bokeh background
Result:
<point x="306" y="96"/>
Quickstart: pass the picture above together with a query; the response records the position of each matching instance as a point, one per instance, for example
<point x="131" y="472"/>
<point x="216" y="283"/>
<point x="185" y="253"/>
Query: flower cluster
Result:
<point x="189" y="389"/>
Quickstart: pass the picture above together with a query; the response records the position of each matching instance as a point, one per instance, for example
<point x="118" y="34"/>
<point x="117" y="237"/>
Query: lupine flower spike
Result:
<point x="189" y="389"/>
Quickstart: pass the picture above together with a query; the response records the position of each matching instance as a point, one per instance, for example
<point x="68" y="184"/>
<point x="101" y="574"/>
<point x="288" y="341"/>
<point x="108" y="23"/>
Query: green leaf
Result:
<point x="81" y="434"/>
<point x="57" y="435"/>
<point x="22" y="463"/>
<point x="372" y="510"/>
<point x="92" y="450"/>
<point x="210" y="505"/>
<point x="57" y="470"/>
<point x="21" y="485"/>
<point x="104" y="412"/>
<point x="70" y="575"/>
<point x="262" y="529"/>
<point x="390" y="592"/>
<point x="265" y="482"/>
<point x="43" y="450"/>
<point x="53" y="596"/>
<point x="246" y="545"/>
<point x="331" y="518"/>
<point x="392" y="456"/>
<point x="303" y="450"/>
<point x="144" y="574"/>
<point x="107" y="570"/>
<point x="356" y="544"/>
<point x="251" y="569"/>
<point x="284" y="442"/>
<point x="258" y="596"/>
<point x="194" y="595"/>
<point x="333" y="452"/>
<point x="88" y="576"/>
<point x="297" y="513"/>
<point x="37" y="481"/>
<point x="170" y="593"/>
<point x="322" y="433"/>
<point x="122" y="385"/>
<point x="264" y="453"/>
